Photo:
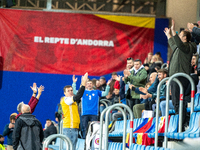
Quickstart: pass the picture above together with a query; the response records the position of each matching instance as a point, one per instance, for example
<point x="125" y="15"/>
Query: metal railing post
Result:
<point x="167" y="107"/>
<point x="180" y="105"/>
<point x="101" y="128"/>
<point x="181" y="99"/>
<point x="157" y="109"/>
<point x="61" y="126"/>
<point x="61" y="132"/>
<point x="124" y="132"/>
<point x="69" y="145"/>
<point x="101" y="122"/>
<point x="105" y="101"/>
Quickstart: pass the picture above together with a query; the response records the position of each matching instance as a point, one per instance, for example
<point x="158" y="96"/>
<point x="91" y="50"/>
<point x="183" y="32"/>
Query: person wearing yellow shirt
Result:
<point x="69" y="105"/>
<point x="2" y="147"/>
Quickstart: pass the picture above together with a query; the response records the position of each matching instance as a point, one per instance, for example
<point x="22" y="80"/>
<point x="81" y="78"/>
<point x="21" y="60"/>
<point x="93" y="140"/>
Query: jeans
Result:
<point x="85" y="119"/>
<point x="163" y="106"/>
<point x="101" y="108"/>
<point x="72" y="134"/>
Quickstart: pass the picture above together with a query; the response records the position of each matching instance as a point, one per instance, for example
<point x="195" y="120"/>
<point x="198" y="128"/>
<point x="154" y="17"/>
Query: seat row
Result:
<point x="196" y="105"/>
<point x="79" y="146"/>
<point x="119" y="146"/>
<point x="192" y="132"/>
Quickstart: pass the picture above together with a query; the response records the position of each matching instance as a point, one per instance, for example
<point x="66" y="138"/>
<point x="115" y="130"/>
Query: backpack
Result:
<point x="92" y="136"/>
<point x="60" y="111"/>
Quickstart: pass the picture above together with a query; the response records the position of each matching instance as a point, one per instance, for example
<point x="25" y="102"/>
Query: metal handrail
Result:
<point x="167" y="108"/>
<point x="107" y="110"/>
<point x="105" y="100"/>
<point x="181" y="99"/>
<point x="157" y="109"/>
<point x="180" y="104"/>
<point x="61" y="126"/>
<point x="61" y="132"/>
<point x="124" y="131"/>
<point x="69" y="145"/>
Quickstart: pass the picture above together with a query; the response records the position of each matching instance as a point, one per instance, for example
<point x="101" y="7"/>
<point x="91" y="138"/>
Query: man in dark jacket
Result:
<point x="28" y="133"/>
<point x="51" y="129"/>
<point x="180" y="61"/>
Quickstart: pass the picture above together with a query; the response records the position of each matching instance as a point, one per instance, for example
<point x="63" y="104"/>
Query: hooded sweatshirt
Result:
<point x="28" y="133"/>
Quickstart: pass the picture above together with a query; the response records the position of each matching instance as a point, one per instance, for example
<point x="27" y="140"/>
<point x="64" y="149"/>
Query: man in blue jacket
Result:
<point x="8" y="130"/>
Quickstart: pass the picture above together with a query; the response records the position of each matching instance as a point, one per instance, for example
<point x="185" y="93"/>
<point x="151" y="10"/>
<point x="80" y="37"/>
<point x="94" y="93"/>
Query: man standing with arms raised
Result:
<point x="69" y="105"/>
<point x="180" y="61"/>
<point x="90" y="104"/>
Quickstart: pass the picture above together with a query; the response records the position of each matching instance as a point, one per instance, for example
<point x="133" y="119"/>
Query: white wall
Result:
<point x="182" y="11"/>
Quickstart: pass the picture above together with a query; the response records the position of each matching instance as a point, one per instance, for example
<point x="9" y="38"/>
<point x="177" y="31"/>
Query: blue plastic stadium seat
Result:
<point x="120" y="146"/>
<point x="161" y="148"/>
<point x="172" y="135"/>
<point x="193" y="130"/>
<point x="115" y="146"/>
<point x="56" y="145"/>
<point x="132" y="146"/>
<point x="118" y="131"/>
<point x="80" y="144"/>
<point x="111" y="145"/>
<point x="171" y="111"/>
<point x="196" y="103"/>
<point x="173" y="126"/>
<point x="151" y="133"/>
<point x="148" y="148"/>
<point x="136" y="147"/>
<point x="143" y="147"/>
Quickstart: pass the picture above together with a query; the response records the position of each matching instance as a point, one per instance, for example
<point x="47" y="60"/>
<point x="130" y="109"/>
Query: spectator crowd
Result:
<point x="137" y="88"/>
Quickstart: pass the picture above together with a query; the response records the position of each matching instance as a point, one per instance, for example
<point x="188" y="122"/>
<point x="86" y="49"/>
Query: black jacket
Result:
<point x="50" y="130"/>
<point x="28" y="133"/>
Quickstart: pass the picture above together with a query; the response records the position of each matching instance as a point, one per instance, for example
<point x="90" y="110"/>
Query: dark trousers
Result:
<point x="132" y="102"/>
<point x="175" y="90"/>
<point x="85" y="119"/>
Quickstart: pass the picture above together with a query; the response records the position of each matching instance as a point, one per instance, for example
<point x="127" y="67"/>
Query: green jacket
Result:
<point x="180" y="60"/>
<point x="138" y="80"/>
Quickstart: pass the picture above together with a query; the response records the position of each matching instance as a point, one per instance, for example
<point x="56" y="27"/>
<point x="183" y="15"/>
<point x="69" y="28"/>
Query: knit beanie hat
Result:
<point x="117" y="85"/>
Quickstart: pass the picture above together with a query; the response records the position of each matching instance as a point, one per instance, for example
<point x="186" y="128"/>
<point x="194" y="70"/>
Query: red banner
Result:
<point x="67" y="43"/>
